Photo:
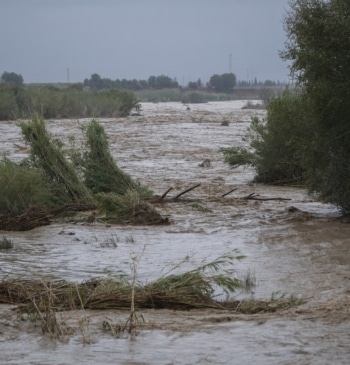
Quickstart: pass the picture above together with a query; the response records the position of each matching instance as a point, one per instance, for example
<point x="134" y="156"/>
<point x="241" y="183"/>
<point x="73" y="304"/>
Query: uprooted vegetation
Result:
<point x="196" y="289"/>
<point x="40" y="300"/>
<point x="48" y="183"/>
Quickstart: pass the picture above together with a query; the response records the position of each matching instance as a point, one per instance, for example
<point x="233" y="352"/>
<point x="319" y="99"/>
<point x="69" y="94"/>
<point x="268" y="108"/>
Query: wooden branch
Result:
<point x="254" y="196"/>
<point x="165" y="194"/>
<point x="266" y="199"/>
<point x="250" y="196"/>
<point x="184" y="192"/>
<point x="229" y="192"/>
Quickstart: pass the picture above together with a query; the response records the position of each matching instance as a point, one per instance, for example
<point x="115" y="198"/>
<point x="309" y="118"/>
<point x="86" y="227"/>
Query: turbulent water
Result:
<point x="292" y="245"/>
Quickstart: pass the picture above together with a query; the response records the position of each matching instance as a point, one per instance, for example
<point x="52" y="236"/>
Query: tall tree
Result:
<point x="12" y="78"/>
<point x="318" y="46"/>
<point x="223" y="83"/>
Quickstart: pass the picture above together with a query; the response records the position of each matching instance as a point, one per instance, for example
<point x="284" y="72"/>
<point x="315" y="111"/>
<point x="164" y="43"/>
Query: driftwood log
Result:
<point x="184" y="192"/>
<point x="254" y="196"/>
<point x="162" y="199"/>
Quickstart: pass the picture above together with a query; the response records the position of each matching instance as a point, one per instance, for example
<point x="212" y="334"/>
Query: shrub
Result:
<point x="5" y="243"/>
<point x="194" y="98"/>
<point x="21" y="188"/>
<point x="237" y="156"/>
<point x="281" y="143"/>
<point x="318" y="51"/>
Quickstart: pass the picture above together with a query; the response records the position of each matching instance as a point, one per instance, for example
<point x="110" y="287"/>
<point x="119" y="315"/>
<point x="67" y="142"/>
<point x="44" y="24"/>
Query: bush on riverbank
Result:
<point x="279" y="142"/>
<point x="305" y="137"/>
<point x="21" y="186"/>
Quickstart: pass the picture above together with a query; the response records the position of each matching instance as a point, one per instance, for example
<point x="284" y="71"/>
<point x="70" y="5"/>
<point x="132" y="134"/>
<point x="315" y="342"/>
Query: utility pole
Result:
<point x="68" y="75"/>
<point x="230" y="62"/>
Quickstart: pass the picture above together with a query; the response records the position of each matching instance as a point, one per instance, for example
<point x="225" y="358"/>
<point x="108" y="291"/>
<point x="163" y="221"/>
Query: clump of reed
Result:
<point x="118" y="195"/>
<point x="49" y="183"/>
<point x="193" y="289"/>
<point x="128" y="209"/>
<point x="21" y="186"/>
<point x="190" y="290"/>
<point x="101" y="173"/>
<point x="46" y="154"/>
<point x="6" y="243"/>
<point x="50" y="101"/>
<point x="41" y="298"/>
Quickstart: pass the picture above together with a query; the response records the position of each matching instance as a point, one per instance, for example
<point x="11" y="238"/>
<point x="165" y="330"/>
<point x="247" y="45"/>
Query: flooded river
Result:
<point x="293" y="246"/>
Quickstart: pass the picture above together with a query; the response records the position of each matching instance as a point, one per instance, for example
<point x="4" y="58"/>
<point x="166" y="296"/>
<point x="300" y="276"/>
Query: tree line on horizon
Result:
<point x="225" y="82"/>
<point x="218" y="83"/>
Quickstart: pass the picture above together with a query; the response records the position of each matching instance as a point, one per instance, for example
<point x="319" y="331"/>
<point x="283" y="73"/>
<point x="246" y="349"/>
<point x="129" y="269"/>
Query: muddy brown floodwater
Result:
<point x="294" y="247"/>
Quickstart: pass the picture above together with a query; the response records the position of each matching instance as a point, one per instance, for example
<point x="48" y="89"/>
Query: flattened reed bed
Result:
<point x="178" y="292"/>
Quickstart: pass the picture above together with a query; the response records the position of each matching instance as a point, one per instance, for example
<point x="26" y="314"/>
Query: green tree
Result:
<point x="318" y="47"/>
<point x="95" y="82"/>
<point x="192" y="85"/>
<point x="280" y="142"/>
<point x="12" y="78"/>
<point x="162" y="82"/>
<point x="223" y="83"/>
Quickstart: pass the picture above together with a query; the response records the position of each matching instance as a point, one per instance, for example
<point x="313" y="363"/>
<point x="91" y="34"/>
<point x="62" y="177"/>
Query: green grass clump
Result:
<point x="21" y="187"/>
<point x="237" y="156"/>
<point x="5" y="243"/>
<point x="47" y="155"/>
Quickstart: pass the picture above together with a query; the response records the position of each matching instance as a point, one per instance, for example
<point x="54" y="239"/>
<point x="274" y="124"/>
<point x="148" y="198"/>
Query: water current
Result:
<point x="292" y="246"/>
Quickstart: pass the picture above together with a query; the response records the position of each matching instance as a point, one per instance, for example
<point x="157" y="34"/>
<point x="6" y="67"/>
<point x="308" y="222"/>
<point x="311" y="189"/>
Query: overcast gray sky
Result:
<point x="183" y="39"/>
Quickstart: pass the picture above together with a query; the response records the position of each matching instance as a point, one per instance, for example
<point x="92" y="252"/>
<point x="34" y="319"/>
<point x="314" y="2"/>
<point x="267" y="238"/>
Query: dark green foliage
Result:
<point x="5" y="243"/>
<point x="12" y="78"/>
<point x="96" y="82"/>
<point x="282" y="140"/>
<point x="281" y="143"/>
<point x="237" y="156"/>
<point x="46" y="154"/>
<point x="21" y="187"/>
<point x="194" y="98"/>
<point x="162" y="82"/>
<point x="306" y="135"/>
<point x="223" y="83"/>
<point x="8" y="105"/>
<point x="195" y="85"/>
<point x="318" y="47"/>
